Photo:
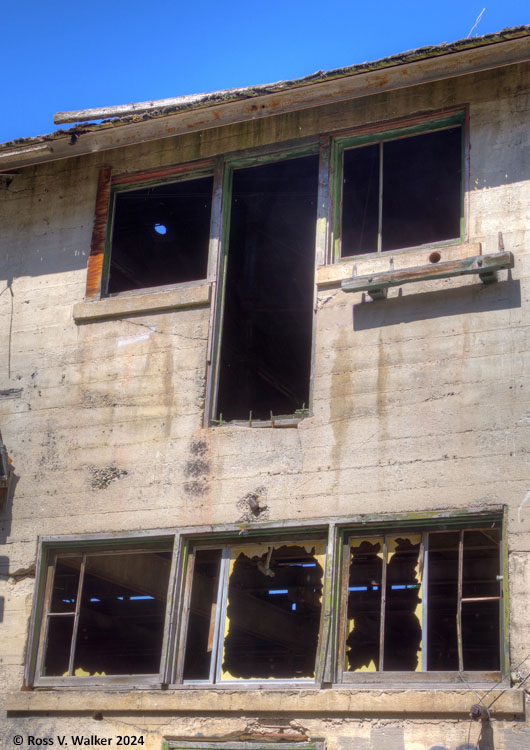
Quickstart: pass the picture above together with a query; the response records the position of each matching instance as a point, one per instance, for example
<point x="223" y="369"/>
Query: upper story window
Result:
<point x="353" y="604"/>
<point x="254" y="227"/>
<point x="160" y="234"/>
<point x="399" y="188"/>
<point x="266" y="310"/>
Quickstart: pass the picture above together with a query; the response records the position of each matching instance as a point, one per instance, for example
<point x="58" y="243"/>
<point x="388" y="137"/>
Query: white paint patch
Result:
<point x="525" y="500"/>
<point x="134" y="339"/>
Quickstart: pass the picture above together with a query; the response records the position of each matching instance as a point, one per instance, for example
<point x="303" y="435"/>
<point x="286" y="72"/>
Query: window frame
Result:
<point x="109" y="186"/>
<point x="335" y="532"/>
<point x="330" y="148"/>
<point x="228" y="164"/>
<point x="226" y="546"/>
<point x="388" y="132"/>
<point x="49" y="551"/>
<point x="424" y="677"/>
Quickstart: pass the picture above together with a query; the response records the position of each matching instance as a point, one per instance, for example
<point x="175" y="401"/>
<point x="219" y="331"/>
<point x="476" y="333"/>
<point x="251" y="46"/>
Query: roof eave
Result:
<point x="238" y="105"/>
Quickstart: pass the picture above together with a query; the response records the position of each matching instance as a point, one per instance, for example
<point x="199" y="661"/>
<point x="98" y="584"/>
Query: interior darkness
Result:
<point x="360" y="200"/>
<point x="65" y="584"/>
<point x="266" y="340"/>
<point x="481" y="620"/>
<point x="274" y="620"/>
<point x="121" y="615"/>
<point x="422" y="177"/>
<point x="442" y="595"/>
<point x="402" y="648"/>
<point x="160" y="235"/>
<point x="201" y="622"/>
<point x="364" y="605"/>
<point x="58" y="646"/>
<point x="402" y="639"/>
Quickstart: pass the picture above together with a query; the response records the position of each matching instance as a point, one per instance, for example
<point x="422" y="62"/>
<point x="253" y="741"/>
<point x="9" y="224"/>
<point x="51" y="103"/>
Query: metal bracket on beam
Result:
<point x="377" y="284"/>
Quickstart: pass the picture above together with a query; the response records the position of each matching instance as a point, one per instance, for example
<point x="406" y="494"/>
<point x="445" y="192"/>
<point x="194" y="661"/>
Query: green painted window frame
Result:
<point x="226" y="167"/>
<point x="334" y="531"/>
<point x="387" y="133"/>
<point x="458" y="522"/>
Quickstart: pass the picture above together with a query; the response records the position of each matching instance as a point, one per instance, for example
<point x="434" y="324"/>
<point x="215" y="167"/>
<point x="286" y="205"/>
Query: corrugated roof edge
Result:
<point x="135" y="112"/>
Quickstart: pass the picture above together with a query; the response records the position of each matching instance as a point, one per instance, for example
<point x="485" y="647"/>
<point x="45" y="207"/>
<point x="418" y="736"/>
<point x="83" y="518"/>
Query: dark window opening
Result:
<point x="425" y="602"/>
<point x="160" y="235"/>
<point x="106" y="614"/>
<point x="202" y="615"/>
<point x="254" y="612"/>
<point x="402" y="193"/>
<point x="267" y="636"/>
<point x="442" y="634"/>
<point x="265" y="355"/>
<point x="384" y="597"/>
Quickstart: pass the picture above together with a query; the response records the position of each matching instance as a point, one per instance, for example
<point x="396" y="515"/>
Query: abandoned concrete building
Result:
<point x="264" y="403"/>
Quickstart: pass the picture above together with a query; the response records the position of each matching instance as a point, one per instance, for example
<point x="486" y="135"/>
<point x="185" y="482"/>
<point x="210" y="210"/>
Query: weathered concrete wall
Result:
<point x="420" y="402"/>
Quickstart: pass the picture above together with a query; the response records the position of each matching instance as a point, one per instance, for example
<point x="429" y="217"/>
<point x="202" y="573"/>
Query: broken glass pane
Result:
<point x="402" y="642"/>
<point x="364" y="605"/>
<point x="273" y="613"/>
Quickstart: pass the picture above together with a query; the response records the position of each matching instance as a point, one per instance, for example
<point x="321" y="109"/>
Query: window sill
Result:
<point x="397" y="702"/>
<point x="177" y="298"/>
<point x="333" y="275"/>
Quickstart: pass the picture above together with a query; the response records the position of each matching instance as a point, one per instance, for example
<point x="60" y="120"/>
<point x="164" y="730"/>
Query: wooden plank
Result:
<point x="216" y="114"/>
<point x="484" y="265"/>
<point x="459" y="603"/>
<point x="161" y="174"/>
<point x="99" y="235"/>
<point x="324" y="667"/>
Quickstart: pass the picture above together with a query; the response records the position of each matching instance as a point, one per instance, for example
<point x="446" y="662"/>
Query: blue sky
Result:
<point x="62" y="56"/>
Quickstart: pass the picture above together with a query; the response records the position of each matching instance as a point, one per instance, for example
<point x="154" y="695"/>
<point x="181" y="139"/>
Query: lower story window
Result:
<point x="105" y="613"/>
<point x="254" y="612"/>
<point x="423" y="602"/>
<point x="361" y="603"/>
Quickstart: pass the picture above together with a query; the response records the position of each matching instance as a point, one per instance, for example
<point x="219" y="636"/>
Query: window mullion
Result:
<point x="222" y="602"/>
<point x="424" y="583"/>
<point x="383" y="607"/>
<point x="76" y="616"/>
<point x="322" y="250"/>
<point x="459" y="602"/>
<point x="380" y="202"/>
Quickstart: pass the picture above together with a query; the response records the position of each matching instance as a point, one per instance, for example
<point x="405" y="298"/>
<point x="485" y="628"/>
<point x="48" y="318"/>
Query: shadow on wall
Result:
<point x="6" y="504"/>
<point x="503" y="295"/>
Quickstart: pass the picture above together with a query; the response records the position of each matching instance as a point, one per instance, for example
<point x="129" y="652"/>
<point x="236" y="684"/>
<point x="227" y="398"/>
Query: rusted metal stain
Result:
<point x="99" y="232"/>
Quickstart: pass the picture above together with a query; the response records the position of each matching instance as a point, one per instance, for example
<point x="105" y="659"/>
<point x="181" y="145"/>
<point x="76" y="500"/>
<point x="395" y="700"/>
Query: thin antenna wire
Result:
<point x="476" y="23"/>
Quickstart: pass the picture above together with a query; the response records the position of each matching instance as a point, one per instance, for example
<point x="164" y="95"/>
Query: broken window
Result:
<point x="400" y="192"/>
<point x="160" y="234"/>
<point x="424" y="602"/>
<point x="105" y="613"/>
<point x="267" y="318"/>
<point x="405" y="604"/>
<point x="254" y="612"/>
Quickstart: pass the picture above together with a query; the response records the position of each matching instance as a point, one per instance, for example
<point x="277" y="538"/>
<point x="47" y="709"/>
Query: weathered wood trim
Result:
<point x="162" y="174"/>
<point x="483" y="265"/>
<point x="452" y="517"/>
<point x="115" y="135"/>
<point x="191" y="294"/>
<point x="99" y="235"/>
